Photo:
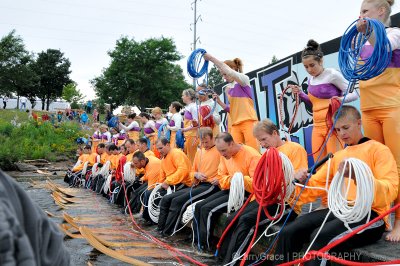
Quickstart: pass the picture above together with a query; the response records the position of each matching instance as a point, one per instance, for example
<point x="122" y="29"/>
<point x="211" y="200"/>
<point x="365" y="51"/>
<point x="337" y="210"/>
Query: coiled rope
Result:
<point x="193" y="64"/>
<point x="129" y="172"/>
<point x="351" y="44"/>
<point x="180" y="139"/>
<point x="164" y="132"/>
<point x="236" y="192"/>
<point x="281" y="111"/>
<point x="270" y="181"/>
<point x="352" y="211"/>
<point x="153" y="208"/>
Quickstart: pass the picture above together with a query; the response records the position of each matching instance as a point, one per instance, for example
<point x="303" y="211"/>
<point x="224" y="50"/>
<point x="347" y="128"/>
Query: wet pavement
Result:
<point x="82" y="253"/>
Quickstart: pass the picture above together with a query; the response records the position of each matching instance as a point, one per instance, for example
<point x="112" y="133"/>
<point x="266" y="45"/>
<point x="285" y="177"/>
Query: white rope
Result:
<point x="141" y="195"/>
<point x="237" y="256"/>
<point x="153" y="208"/>
<point x="95" y="169"/>
<point x="84" y="170"/>
<point x="236" y="192"/>
<point x="353" y="210"/>
<point x="326" y="181"/>
<point x="188" y="214"/>
<point x="105" y="169"/>
<point x="107" y="184"/>
<point x="129" y="172"/>
<point x="288" y="172"/>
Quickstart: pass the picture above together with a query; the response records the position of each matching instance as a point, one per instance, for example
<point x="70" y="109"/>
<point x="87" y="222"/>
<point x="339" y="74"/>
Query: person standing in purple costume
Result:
<point x="323" y="85"/>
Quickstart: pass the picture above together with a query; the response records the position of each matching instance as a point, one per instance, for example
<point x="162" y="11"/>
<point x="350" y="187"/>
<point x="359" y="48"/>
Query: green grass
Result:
<point x="31" y="140"/>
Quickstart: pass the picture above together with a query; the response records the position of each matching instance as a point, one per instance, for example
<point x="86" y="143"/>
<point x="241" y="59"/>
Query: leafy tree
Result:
<point x="214" y="77"/>
<point x="53" y="70"/>
<point x="71" y="93"/>
<point x="100" y="105"/>
<point x="16" y="73"/>
<point x="274" y="59"/>
<point x="141" y="73"/>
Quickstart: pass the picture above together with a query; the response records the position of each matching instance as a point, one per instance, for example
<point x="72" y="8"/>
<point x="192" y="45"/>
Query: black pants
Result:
<point x="146" y="197"/>
<point x="303" y="230"/>
<point x="238" y="237"/>
<point x="134" y="198"/>
<point x="4" y="105"/>
<point x="174" y="205"/>
<point x="206" y="213"/>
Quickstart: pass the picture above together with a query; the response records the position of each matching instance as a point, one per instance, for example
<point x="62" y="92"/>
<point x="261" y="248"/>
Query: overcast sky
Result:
<point x="253" y="30"/>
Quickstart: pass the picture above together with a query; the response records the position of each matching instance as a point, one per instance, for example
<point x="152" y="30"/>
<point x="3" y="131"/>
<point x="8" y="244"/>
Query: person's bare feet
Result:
<point x="394" y="235"/>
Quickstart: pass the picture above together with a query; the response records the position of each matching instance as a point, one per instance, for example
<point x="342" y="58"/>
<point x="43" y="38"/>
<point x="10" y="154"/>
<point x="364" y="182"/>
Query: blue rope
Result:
<point x="352" y="68"/>
<point x="148" y="142"/>
<point x="161" y="129"/>
<point x="351" y="45"/>
<point x="193" y="65"/>
<point x="180" y="139"/>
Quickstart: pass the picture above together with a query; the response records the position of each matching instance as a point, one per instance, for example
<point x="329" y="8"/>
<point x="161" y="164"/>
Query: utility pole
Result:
<point x="195" y="38"/>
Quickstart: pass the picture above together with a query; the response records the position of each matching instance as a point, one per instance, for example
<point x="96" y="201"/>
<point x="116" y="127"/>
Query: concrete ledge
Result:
<point x="377" y="252"/>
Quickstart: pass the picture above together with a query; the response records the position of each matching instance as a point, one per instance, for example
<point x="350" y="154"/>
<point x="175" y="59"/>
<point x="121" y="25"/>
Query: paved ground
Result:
<point x="82" y="252"/>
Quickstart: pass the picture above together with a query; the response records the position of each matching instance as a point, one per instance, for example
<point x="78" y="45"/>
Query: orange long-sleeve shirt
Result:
<point x="80" y="163"/>
<point x="298" y="157"/>
<point x="93" y="158"/>
<point x="152" y="171"/>
<point x="114" y="159"/>
<point x="383" y="166"/>
<point x="149" y="153"/>
<point x="175" y="168"/>
<point x="129" y="157"/>
<point x="206" y="162"/>
<point x="104" y="157"/>
<point x="244" y="161"/>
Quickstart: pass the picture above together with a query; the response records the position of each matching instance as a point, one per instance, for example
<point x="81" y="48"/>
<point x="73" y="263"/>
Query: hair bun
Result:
<point x="311" y="44"/>
<point x="390" y="2"/>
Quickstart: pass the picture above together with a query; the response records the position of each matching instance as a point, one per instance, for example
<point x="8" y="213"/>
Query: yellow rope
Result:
<point x="112" y="253"/>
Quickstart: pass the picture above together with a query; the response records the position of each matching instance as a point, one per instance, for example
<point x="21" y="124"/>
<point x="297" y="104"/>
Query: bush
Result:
<point x="32" y="140"/>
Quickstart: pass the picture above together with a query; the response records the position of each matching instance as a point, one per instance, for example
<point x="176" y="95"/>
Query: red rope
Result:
<point x="321" y="253"/>
<point x="269" y="188"/>
<point x="334" y="105"/>
<point x="154" y="239"/>
<point x="282" y="122"/>
<point x="204" y="112"/>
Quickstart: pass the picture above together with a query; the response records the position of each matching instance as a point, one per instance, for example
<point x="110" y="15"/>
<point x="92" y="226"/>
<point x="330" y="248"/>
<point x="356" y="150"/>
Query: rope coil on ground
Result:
<point x="236" y="192"/>
<point x="153" y="208"/>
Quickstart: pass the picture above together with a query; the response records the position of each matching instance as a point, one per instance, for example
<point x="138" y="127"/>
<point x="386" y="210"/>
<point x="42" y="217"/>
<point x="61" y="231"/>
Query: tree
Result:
<point x="142" y="74"/>
<point x="214" y="77"/>
<point x="273" y="60"/>
<point x="71" y="93"/>
<point x="16" y="73"/>
<point x="53" y="70"/>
